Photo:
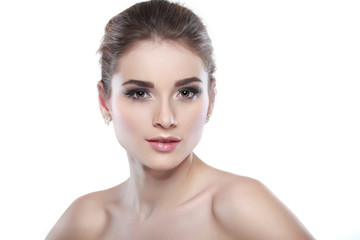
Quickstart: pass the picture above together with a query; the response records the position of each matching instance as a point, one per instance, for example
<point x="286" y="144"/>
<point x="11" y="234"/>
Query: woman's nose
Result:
<point x="164" y="116"/>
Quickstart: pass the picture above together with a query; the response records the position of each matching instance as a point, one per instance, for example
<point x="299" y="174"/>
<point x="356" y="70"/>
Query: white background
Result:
<point x="287" y="110"/>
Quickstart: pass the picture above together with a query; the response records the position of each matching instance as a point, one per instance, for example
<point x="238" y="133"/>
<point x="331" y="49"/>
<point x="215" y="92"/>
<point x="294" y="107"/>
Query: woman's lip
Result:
<point x="164" y="139"/>
<point x="163" y="144"/>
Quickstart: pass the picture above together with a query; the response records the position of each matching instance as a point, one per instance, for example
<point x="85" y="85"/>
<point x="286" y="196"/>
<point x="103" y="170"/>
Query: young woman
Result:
<point x="158" y="89"/>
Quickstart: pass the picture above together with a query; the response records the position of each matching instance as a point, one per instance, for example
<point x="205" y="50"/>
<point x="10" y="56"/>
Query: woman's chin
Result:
<point x="164" y="164"/>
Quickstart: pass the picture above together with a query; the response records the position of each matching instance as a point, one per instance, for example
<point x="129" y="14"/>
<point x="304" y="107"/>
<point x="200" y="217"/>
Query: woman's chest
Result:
<point x="191" y="221"/>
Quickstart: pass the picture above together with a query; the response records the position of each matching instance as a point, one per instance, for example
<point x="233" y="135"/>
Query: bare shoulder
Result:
<point x="248" y="210"/>
<point x="86" y="218"/>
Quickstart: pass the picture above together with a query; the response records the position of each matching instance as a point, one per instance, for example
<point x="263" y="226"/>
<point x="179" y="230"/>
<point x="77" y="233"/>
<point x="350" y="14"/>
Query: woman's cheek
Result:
<point x="131" y="116"/>
<point x="123" y="120"/>
<point x="201" y="109"/>
<point x="195" y="119"/>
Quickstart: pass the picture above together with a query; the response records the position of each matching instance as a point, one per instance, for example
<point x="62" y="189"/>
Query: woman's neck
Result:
<point x="150" y="191"/>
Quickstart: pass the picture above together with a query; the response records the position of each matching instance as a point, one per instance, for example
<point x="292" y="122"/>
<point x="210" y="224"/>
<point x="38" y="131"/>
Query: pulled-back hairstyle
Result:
<point x="153" y="20"/>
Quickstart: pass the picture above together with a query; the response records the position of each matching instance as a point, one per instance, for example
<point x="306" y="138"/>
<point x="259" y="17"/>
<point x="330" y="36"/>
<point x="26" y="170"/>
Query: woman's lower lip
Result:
<point x="163" y="146"/>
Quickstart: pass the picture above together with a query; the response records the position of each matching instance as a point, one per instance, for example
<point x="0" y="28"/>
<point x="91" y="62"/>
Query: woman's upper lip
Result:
<point x="164" y="139"/>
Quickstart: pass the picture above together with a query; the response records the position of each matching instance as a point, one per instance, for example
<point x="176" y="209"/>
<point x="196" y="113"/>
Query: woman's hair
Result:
<point x="153" y="20"/>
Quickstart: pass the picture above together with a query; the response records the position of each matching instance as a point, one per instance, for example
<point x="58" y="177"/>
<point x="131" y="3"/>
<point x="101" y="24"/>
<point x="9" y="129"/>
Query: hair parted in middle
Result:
<point x="155" y="20"/>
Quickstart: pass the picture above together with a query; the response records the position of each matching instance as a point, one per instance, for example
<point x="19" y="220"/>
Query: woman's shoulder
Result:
<point x="85" y="218"/>
<point x="246" y="208"/>
<point x="240" y="191"/>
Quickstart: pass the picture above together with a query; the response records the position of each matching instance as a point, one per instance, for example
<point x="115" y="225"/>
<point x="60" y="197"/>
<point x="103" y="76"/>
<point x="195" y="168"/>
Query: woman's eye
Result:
<point x="185" y="93"/>
<point x="138" y="94"/>
<point x="189" y="93"/>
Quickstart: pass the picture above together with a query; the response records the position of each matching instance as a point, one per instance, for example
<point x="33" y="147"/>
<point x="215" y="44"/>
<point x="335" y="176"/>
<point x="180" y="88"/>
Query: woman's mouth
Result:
<point x="164" y="144"/>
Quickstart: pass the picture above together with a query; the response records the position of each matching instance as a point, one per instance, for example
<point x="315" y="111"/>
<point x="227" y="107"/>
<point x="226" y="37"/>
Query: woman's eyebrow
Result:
<point x="187" y="81"/>
<point x="139" y="83"/>
<point x="151" y="85"/>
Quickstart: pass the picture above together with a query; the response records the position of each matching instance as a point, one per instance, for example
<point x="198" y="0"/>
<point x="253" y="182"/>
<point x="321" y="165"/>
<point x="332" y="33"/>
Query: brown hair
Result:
<point x="153" y="20"/>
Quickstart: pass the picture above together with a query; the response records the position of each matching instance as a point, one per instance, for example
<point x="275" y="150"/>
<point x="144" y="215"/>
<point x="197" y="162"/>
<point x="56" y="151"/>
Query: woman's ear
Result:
<point x="212" y="93"/>
<point x="104" y="109"/>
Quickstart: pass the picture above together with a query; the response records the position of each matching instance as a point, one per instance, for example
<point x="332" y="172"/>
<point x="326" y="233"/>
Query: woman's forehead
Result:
<point x="154" y="60"/>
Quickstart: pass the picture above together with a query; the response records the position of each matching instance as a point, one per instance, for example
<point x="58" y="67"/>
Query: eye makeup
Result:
<point x="189" y="91"/>
<point x="138" y="94"/>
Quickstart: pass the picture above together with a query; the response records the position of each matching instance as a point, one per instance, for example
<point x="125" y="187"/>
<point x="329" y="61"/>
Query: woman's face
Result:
<point x="159" y="103"/>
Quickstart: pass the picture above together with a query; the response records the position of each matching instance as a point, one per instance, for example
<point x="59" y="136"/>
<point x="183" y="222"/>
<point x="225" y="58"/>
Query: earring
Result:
<point x="207" y="119"/>
<point x="107" y="119"/>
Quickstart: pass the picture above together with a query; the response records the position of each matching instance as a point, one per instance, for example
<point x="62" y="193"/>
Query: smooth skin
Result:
<point x="161" y="89"/>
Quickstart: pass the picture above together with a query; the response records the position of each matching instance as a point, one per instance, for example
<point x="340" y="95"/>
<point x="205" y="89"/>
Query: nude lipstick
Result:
<point x="163" y="144"/>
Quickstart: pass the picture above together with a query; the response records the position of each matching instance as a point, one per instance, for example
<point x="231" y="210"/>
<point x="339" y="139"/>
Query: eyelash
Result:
<point x="132" y="94"/>
<point x="193" y="92"/>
